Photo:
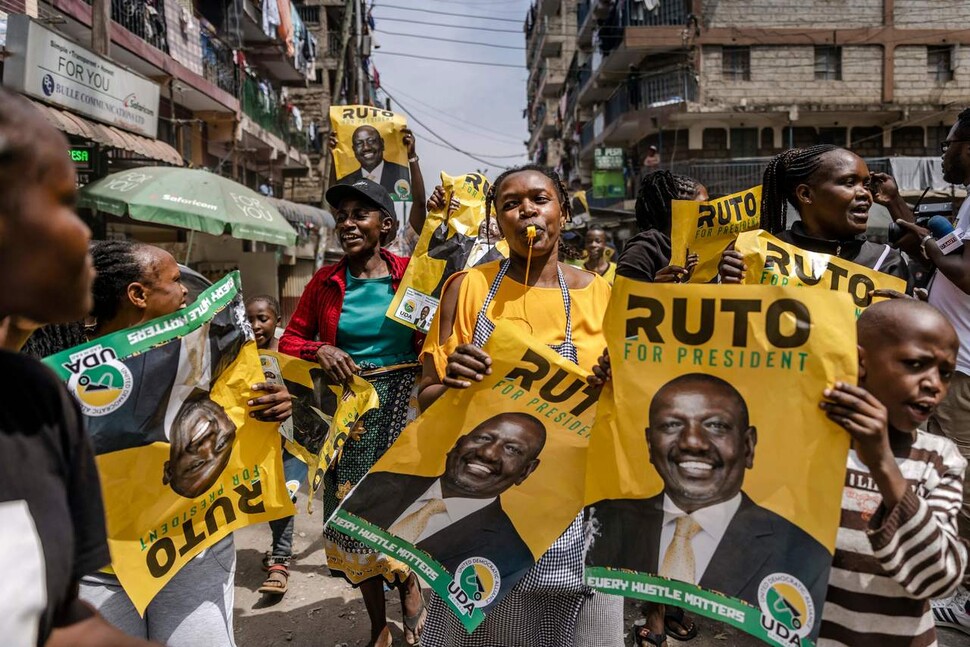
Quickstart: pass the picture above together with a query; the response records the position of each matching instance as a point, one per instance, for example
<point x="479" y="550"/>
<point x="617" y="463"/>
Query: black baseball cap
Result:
<point x="364" y="189"/>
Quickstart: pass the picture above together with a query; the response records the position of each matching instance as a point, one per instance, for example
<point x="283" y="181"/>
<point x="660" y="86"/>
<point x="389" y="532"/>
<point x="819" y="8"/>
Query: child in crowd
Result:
<point x="263" y="314"/>
<point x="897" y="544"/>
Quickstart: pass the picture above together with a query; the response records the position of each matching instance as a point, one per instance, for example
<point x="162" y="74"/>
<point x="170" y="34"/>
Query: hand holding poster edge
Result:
<point x="706" y="229"/>
<point x="144" y="550"/>
<point x="840" y="367"/>
<point x="410" y="461"/>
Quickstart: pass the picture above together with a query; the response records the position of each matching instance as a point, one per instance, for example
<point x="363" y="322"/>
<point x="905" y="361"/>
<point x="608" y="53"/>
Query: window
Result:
<point x="744" y="142"/>
<point x="736" y="63"/>
<point x="939" y="63"/>
<point x="828" y="63"/>
<point x="834" y="136"/>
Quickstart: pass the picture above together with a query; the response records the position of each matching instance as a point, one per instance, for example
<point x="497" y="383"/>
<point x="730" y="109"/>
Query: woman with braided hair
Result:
<point x="562" y="306"/>
<point x="831" y="189"/>
<point x="646" y="256"/>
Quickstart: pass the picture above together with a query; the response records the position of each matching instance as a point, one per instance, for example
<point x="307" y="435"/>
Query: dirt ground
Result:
<point x="321" y="611"/>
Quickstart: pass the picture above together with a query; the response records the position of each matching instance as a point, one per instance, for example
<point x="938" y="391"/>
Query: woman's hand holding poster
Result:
<point x="771" y="261"/>
<point x="324" y="415"/>
<point x="452" y="240"/>
<point x="181" y="462"/>
<point x="456" y="497"/>
<point x="714" y="480"/>
<point x="370" y="145"/>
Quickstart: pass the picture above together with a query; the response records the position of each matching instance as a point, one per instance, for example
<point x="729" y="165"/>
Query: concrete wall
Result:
<point x="818" y="14"/>
<point x="783" y="76"/>
<point x="932" y="14"/>
<point x="914" y="85"/>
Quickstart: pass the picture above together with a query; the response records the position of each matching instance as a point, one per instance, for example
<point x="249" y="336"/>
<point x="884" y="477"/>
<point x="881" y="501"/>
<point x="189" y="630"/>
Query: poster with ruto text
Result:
<point x="771" y="261"/>
<point x="370" y="145"/>
<point x="456" y="497"/>
<point x="714" y="480"/>
<point x="324" y="415"/>
<point x="707" y="228"/>
<point x="181" y="462"/>
<point x="453" y="239"/>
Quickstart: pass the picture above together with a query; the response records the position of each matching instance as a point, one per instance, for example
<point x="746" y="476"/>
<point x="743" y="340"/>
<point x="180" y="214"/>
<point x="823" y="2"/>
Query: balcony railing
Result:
<point x="143" y="18"/>
<point x="309" y="14"/>
<point x="333" y="44"/>
<point x="265" y="111"/>
<point x="632" y="13"/>
<point x="218" y="66"/>
<point x="654" y="90"/>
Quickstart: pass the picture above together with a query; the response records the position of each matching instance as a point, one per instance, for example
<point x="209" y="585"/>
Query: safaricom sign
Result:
<point x="42" y="64"/>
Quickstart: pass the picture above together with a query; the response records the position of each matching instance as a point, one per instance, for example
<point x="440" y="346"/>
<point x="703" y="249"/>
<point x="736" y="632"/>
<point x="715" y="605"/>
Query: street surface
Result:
<point x="321" y="611"/>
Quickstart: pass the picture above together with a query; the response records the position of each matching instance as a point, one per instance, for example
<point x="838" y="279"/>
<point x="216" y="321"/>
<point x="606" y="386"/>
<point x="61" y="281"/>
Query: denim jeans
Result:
<point x="294" y="471"/>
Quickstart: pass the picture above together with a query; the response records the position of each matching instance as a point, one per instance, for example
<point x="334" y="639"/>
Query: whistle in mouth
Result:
<point x="530" y="232"/>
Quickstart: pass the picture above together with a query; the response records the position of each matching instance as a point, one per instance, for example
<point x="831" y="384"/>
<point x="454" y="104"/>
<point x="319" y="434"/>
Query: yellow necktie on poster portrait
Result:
<point x="679" y="562"/>
<point x="410" y="527"/>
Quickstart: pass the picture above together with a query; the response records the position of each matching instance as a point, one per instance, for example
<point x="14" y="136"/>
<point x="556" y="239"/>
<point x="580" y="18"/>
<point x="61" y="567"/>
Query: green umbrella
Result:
<point x="190" y="199"/>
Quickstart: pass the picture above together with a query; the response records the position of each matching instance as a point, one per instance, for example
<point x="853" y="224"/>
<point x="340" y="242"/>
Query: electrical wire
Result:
<point x="438" y="24"/>
<point x="448" y="13"/>
<point x="448" y="40"/>
<point x="477" y="158"/>
<point x="451" y="60"/>
<point x="443" y="114"/>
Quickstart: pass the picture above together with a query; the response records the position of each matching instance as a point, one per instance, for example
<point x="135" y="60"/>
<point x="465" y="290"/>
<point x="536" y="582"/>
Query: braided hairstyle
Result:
<point x="53" y="338"/>
<point x="565" y="252"/>
<point x="784" y="172"/>
<point x="963" y="120"/>
<point x="657" y="190"/>
<point x="118" y="264"/>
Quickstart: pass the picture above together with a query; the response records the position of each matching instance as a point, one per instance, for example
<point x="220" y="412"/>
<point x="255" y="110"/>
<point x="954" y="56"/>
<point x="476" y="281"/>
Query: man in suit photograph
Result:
<point x="368" y="148"/>
<point x="458" y="514"/>
<point x="702" y="528"/>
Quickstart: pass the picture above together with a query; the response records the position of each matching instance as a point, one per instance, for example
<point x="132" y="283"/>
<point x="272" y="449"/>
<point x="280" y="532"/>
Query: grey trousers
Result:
<point x="193" y="610"/>
<point x="600" y="622"/>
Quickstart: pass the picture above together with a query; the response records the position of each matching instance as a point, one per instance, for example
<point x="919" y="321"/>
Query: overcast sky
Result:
<point x="477" y="108"/>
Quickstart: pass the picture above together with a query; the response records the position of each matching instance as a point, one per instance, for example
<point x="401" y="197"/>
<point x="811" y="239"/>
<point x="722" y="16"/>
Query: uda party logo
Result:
<point x="787" y="610"/>
<point x="479" y="581"/>
<point x="99" y="381"/>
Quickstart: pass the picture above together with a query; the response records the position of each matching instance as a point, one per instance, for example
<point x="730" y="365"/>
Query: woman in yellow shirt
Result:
<point x="562" y="306"/>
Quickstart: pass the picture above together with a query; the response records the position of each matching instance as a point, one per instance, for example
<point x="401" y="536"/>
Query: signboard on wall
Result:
<point x="608" y="184"/>
<point x="42" y="64"/>
<point x="607" y="159"/>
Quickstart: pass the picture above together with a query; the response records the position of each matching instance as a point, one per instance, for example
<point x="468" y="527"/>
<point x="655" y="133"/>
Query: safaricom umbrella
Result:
<point x="191" y="199"/>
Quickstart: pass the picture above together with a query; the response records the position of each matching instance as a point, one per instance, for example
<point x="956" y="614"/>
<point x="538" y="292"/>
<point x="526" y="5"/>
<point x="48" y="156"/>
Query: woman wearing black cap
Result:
<point x="340" y="324"/>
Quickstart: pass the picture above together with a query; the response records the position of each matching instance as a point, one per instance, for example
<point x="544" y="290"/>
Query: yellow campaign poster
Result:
<point x="773" y="262"/>
<point x="452" y="240"/>
<point x="181" y="462"/>
<point x="456" y="497"/>
<point x="370" y="144"/>
<point x="707" y="228"/>
<point x="324" y="415"/>
<point x="714" y="481"/>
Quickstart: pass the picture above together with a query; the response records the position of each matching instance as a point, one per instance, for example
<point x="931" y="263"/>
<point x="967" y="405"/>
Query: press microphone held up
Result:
<point x="947" y="238"/>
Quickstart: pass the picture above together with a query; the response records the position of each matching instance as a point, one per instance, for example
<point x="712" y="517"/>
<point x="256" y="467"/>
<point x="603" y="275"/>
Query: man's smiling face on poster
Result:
<point x="201" y="442"/>
<point x="700" y="440"/>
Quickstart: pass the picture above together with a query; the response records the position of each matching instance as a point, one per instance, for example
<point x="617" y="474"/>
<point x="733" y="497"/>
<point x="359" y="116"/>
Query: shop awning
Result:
<point x="73" y="124"/>
<point x="302" y="214"/>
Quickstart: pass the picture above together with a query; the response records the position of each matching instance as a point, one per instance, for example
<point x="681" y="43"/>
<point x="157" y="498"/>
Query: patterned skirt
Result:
<point x="347" y="558"/>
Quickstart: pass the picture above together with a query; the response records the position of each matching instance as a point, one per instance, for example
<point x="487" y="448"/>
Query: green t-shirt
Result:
<point x="363" y="331"/>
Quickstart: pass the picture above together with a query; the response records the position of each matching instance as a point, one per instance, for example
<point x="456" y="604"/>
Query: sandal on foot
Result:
<point x="414" y="624"/>
<point x="276" y="580"/>
<point x="679" y="625"/>
<point x="643" y="637"/>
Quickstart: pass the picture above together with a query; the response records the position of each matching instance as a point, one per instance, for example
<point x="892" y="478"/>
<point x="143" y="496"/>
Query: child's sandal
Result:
<point x="276" y="581"/>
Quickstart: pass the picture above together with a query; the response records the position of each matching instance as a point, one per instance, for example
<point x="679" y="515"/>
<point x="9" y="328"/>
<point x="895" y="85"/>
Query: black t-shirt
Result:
<point x="52" y="527"/>
<point x="644" y="255"/>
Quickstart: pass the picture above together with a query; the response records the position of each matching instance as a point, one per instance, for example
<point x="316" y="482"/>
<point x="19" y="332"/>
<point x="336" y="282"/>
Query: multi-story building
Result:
<point x="711" y="83"/>
<point x="173" y="82"/>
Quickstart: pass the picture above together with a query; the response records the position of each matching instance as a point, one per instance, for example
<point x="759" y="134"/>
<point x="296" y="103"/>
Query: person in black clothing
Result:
<point x="52" y="528"/>
<point x="831" y="189"/>
<point x="646" y="256"/>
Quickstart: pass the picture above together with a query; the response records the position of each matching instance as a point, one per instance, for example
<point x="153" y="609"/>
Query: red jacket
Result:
<point x="314" y="324"/>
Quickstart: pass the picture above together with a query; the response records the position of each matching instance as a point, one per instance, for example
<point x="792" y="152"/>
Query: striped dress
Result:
<point x="889" y="563"/>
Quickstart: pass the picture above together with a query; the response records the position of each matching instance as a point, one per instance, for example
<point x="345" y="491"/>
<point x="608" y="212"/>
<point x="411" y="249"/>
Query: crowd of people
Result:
<point x="898" y="567"/>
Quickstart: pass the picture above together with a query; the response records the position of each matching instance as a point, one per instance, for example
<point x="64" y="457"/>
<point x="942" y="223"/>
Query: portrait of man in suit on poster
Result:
<point x="458" y="514"/>
<point x="703" y="528"/>
<point x="368" y="148"/>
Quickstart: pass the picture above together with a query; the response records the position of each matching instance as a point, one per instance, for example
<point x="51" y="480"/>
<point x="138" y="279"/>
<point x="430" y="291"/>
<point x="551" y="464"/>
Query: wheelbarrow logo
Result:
<point x="99" y="382"/>
<point x="787" y="609"/>
<point x="479" y="579"/>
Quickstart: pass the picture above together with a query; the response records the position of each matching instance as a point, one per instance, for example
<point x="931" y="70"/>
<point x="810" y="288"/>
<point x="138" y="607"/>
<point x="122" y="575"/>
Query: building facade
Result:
<point x="711" y="84"/>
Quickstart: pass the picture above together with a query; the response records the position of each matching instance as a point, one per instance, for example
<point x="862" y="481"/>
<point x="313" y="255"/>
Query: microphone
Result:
<point x="947" y="238"/>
